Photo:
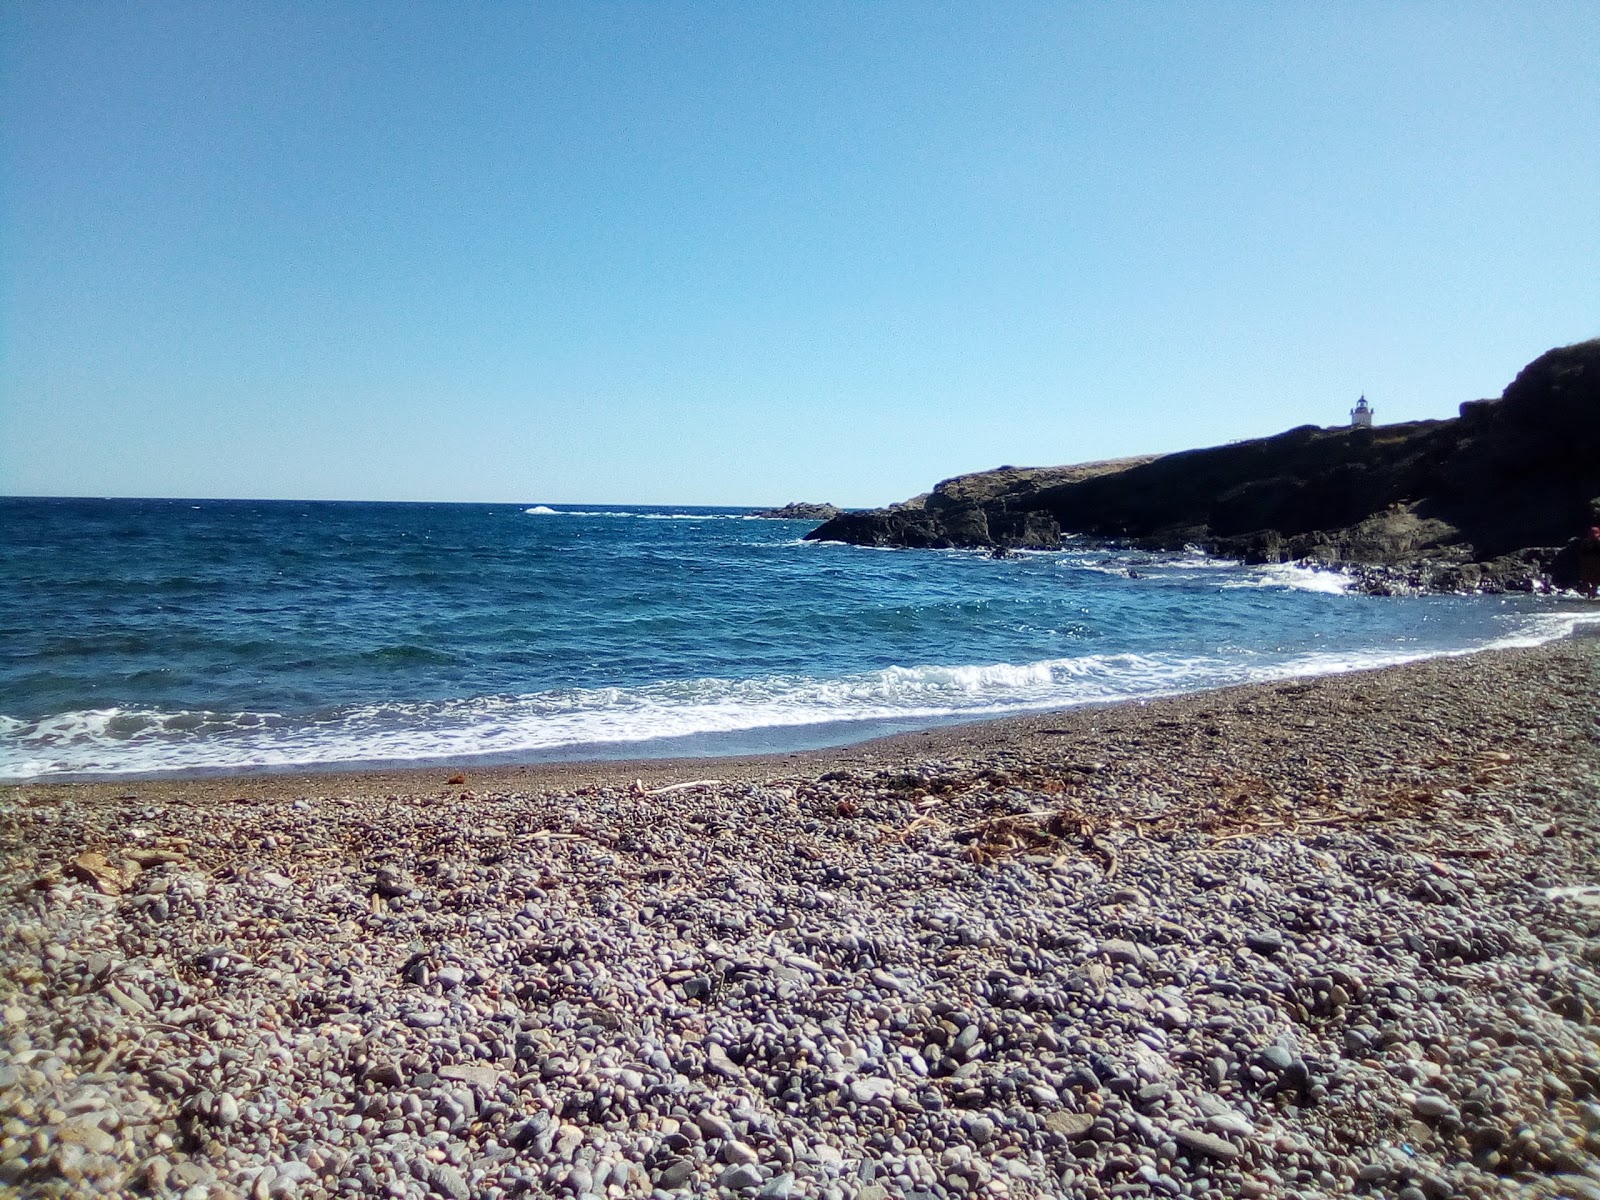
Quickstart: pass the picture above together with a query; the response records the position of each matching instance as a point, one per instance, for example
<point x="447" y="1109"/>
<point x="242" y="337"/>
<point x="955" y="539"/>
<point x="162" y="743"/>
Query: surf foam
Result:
<point x="117" y="741"/>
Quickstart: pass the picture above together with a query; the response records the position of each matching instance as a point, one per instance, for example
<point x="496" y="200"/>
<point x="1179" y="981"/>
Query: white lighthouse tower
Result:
<point x="1361" y="415"/>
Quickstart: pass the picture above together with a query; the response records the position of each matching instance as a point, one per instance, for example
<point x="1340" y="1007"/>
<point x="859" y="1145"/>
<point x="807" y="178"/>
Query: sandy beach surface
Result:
<point x="1324" y="937"/>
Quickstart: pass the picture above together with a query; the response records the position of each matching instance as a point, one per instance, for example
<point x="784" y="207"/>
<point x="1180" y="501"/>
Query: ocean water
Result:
<point x="166" y="636"/>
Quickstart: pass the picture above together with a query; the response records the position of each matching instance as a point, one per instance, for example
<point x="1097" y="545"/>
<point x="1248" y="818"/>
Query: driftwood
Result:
<point x="678" y="787"/>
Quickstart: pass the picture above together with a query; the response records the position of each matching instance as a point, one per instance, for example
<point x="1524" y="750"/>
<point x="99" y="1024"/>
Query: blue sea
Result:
<point x="153" y="637"/>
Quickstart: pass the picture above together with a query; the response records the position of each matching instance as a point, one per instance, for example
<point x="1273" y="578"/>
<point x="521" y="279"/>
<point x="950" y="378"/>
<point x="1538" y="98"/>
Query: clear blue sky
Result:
<point x="753" y="252"/>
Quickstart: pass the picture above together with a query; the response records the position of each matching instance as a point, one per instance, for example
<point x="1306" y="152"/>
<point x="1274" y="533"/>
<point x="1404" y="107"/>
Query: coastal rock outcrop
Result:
<point x="1484" y="500"/>
<point x="800" y="510"/>
<point x="989" y="509"/>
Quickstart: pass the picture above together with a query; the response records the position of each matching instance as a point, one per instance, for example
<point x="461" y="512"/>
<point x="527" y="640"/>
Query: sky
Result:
<point x="747" y="253"/>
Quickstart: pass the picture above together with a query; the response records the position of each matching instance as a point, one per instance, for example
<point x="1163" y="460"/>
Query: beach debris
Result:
<point x="681" y="787"/>
<point x="152" y="856"/>
<point x="108" y="879"/>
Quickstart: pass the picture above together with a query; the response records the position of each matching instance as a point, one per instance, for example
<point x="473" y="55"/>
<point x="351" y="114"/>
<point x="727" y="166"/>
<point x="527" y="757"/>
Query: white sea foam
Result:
<point x="118" y="740"/>
<point x="1195" y="567"/>
<point x="543" y="510"/>
<point x="1293" y="577"/>
<point x="135" y="741"/>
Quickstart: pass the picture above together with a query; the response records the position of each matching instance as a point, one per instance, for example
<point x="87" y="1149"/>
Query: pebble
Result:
<point x="1431" y="1107"/>
<point x="448" y="1182"/>
<point x="1069" y="1125"/>
<point x="675" y="1174"/>
<point x="740" y="1177"/>
<point x="1206" y="1143"/>
<point x="1264" y="941"/>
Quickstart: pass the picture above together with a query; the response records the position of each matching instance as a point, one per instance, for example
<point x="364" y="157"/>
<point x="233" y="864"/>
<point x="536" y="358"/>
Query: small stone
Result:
<point x="390" y="881"/>
<point x="718" y="1061"/>
<point x="1206" y="1143"/>
<point x="447" y="1181"/>
<point x="483" y="1078"/>
<point x="1230" y="1122"/>
<point x="713" y="1126"/>
<point x="865" y="1091"/>
<point x="675" y="1174"/>
<point x="1264" y="941"/>
<point x="740" y="1178"/>
<point x="980" y="1129"/>
<point x="1119" y="950"/>
<point x="1278" y="1058"/>
<point x="1070" y="1125"/>
<point x="88" y="1135"/>
<point x="1431" y="1107"/>
<point x="287" y="1178"/>
<point x="155" y="1173"/>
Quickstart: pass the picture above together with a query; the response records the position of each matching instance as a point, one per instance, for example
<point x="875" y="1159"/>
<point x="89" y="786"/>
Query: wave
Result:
<point x="1291" y="577"/>
<point x="126" y="740"/>
<point x="113" y="741"/>
<point x="1228" y="574"/>
<point x="543" y="510"/>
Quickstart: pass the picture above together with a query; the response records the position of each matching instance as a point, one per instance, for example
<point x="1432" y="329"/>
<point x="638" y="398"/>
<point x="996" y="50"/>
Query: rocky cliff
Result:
<point x="1483" y="499"/>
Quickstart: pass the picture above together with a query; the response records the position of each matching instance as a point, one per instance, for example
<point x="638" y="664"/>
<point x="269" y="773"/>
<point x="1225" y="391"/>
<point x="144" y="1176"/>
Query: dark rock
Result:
<point x="1278" y="1058"/>
<point x="535" y="1133"/>
<point x="800" y="510"/>
<point x="391" y="881"/>
<point x="675" y="1174"/>
<point x="1264" y="941"/>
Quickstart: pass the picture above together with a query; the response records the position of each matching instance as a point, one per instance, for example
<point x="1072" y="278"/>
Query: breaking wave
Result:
<point x="144" y="741"/>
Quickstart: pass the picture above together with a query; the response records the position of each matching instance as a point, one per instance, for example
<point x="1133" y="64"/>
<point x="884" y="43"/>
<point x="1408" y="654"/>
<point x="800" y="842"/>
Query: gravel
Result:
<point x="1336" y="936"/>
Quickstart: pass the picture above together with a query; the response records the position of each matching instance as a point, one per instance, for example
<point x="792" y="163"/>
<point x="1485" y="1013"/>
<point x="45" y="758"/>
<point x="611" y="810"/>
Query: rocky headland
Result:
<point x="800" y="510"/>
<point x="1493" y="499"/>
<point x="1305" y="939"/>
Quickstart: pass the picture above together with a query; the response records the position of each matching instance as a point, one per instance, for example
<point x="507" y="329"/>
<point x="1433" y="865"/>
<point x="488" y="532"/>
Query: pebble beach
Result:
<point x="1335" y="936"/>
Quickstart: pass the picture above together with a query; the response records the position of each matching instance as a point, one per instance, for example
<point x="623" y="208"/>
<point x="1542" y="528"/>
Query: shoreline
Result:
<point x="955" y="736"/>
<point x="1319" y="936"/>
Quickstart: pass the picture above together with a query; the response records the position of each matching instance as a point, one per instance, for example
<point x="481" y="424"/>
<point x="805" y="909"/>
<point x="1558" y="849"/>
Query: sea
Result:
<point x="171" y="637"/>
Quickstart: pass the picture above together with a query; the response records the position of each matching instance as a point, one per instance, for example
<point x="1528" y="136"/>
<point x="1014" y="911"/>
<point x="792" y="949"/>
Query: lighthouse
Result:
<point x="1361" y="415"/>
